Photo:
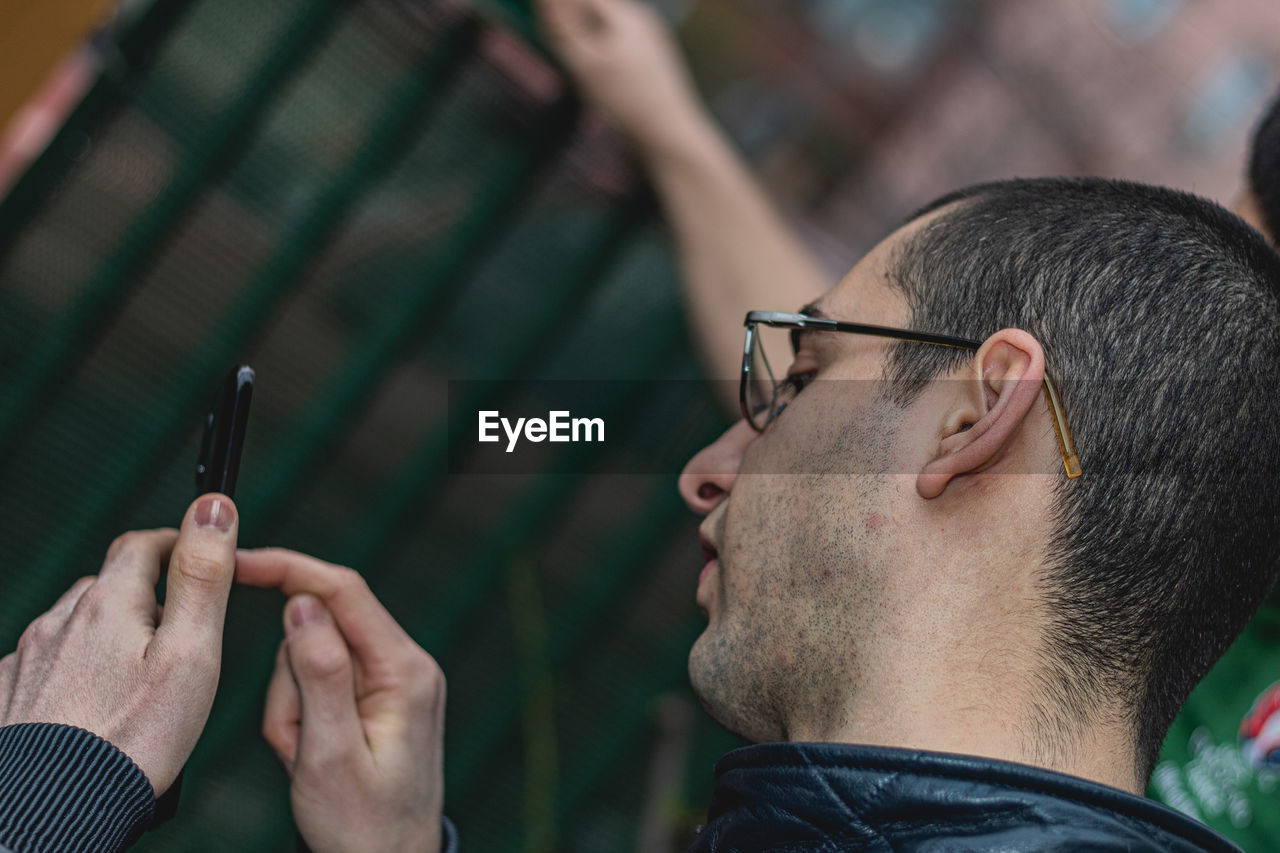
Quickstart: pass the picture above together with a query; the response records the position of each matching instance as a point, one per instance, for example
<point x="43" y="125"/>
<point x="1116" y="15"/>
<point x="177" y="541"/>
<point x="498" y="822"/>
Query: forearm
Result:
<point x="736" y="253"/>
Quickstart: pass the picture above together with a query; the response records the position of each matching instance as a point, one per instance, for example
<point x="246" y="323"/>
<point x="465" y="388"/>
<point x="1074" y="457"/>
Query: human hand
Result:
<point x="625" y="62"/>
<point x="355" y="711"/>
<point x="108" y="659"/>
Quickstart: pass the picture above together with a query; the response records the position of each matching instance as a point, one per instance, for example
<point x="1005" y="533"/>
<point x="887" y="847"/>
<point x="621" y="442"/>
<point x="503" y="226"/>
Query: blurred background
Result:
<point x="369" y="199"/>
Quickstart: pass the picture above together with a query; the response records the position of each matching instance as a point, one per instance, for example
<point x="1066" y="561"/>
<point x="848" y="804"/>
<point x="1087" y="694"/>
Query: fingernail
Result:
<point x="304" y="609"/>
<point x="214" y="511"/>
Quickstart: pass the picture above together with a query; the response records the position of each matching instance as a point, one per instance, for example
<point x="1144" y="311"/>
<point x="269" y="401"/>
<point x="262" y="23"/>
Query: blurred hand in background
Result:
<point x="737" y="252"/>
<point x="626" y="64"/>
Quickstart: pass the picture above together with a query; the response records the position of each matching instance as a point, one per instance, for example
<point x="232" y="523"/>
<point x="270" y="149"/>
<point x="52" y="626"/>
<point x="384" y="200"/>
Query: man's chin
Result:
<point x="700" y="677"/>
<point x="712" y="685"/>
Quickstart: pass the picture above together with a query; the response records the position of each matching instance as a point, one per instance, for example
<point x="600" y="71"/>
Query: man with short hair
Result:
<point x="968" y="553"/>
<point x="737" y="253"/>
<point x="952" y="639"/>
<point x="955" y="596"/>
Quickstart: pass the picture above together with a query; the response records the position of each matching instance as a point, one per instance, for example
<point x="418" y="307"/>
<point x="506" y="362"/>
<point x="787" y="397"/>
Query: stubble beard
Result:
<point x="763" y="667"/>
<point x="730" y="689"/>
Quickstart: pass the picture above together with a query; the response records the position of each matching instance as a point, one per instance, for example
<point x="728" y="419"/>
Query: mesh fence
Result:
<point x="364" y="200"/>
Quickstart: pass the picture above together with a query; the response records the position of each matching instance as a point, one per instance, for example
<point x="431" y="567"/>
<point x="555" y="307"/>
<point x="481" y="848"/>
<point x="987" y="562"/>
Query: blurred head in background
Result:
<point x="1260" y="203"/>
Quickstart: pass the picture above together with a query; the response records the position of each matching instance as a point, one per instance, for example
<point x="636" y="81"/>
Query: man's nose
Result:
<point x="708" y="477"/>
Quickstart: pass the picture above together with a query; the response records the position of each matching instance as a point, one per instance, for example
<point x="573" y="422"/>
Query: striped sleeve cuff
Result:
<point x="66" y="789"/>
<point x="448" y="836"/>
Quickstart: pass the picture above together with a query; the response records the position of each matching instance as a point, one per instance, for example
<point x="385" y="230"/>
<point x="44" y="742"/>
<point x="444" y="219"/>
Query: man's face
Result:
<point x="801" y="524"/>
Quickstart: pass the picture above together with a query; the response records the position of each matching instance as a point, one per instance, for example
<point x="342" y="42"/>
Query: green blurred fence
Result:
<point x="364" y="200"/>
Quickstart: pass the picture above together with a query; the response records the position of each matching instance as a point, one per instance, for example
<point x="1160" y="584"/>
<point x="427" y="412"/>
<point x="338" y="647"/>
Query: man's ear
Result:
<point x="1009" y="370"/>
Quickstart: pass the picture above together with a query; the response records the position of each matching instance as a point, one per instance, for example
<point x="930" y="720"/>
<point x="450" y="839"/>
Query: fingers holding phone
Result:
<point x="100" y="660"/>
<point x="201" y="569"/>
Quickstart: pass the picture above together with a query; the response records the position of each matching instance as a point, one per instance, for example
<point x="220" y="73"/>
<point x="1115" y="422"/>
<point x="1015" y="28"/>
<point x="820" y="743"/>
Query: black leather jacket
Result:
<point x="835" y="797"/>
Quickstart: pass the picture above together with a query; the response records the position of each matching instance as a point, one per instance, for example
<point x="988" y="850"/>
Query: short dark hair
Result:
<point x="1264" y="167"/>
<point x="1159" y="318"/>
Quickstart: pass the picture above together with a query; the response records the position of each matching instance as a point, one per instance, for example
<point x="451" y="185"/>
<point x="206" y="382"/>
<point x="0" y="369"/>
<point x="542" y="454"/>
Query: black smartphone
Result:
<point x="218" y="466"/>
<point x="217" y="469"/>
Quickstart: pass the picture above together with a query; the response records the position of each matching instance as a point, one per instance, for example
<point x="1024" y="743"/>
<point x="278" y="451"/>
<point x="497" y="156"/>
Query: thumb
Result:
<point x="330" y="731"/>
<point x="201" y="567"/>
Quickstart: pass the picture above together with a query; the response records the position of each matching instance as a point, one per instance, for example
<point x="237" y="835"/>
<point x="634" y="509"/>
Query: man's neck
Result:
<point x="972" y="702"/>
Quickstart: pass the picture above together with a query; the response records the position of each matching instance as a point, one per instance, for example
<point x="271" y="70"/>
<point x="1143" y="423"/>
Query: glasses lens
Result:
<point x="759" y="388"/>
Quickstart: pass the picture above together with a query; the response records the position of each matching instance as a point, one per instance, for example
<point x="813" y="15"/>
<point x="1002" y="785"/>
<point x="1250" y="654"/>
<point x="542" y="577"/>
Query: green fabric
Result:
<point x="1205" y="769"/>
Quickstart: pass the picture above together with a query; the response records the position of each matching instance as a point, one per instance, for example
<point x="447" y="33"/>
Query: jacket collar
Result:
<point x="837" y="797"/>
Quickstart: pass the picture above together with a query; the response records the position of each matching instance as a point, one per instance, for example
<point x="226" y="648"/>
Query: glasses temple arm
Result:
<point x="1065" y="444"/>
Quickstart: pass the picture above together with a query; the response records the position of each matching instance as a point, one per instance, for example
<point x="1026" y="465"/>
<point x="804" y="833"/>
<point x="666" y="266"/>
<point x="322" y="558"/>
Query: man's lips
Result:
<point x="710" y="554"/>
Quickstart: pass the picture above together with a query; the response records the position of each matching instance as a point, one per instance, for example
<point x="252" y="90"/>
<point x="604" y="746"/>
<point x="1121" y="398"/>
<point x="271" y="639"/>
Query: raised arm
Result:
<point x="735" y="251"/>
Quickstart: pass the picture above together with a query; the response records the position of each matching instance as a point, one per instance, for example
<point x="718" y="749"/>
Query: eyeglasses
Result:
<point x="763" y="397"/>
